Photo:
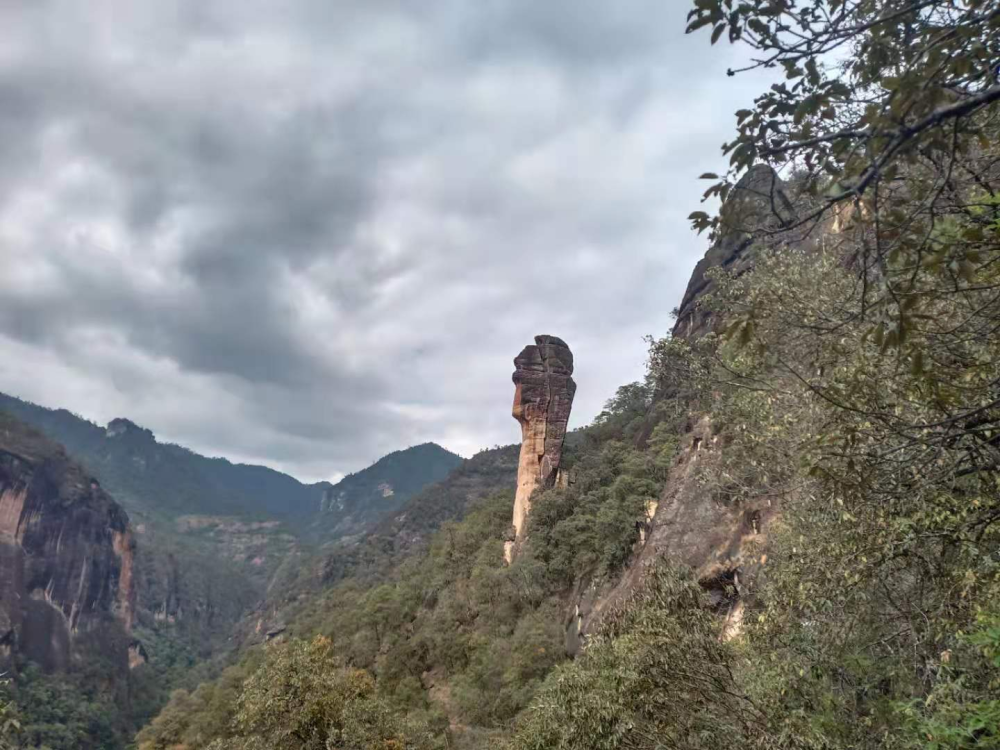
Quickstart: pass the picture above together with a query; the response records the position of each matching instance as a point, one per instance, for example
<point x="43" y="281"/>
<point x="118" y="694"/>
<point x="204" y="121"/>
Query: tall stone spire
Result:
<point x="543" y="397"/>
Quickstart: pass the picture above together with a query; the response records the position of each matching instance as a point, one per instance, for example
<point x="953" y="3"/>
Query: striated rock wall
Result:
<point x="66" y="555"/>
<point x="543" y="397"/>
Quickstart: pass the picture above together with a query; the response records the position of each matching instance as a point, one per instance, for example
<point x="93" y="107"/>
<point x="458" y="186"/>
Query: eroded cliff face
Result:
<point x="66" y="556"/>
<point x="724" y="544"/>
<point x="543" y="397"/>
<point x="757" y="205"/>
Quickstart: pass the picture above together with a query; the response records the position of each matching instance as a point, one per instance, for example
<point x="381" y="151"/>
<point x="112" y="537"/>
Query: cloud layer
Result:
<point x="305" y="234"/>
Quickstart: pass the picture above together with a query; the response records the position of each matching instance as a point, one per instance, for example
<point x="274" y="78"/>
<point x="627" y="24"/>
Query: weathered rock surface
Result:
<point x="757" y="204"/>
<point x="66" y="556"/>
<point x="722" y="543"/>
<point x="543" y="397"/>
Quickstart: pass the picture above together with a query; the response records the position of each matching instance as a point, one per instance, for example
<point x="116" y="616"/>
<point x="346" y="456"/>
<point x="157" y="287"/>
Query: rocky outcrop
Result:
<point x="757" y="205"/>
<point x="66" y="556"/>
<point x="126" y="427"/>
<point x="723" y="543"/>
<point x="543" y="397"/>
<point x="137" y="655"/>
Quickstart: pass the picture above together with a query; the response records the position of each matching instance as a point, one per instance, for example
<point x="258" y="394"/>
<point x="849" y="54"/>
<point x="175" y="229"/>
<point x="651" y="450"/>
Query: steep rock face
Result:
<point x="543" y="397"/>
<point x="66" y="555"/>
<point x="722" y="543"/>
<point x="757" y="204"/>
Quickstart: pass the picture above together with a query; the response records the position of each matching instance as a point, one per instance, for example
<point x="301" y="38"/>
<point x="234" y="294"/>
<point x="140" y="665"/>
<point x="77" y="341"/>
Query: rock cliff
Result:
<point x="723" y="543"/>
<point x="757" y="205"/>
<point x="543" y="397"/>
<point x="66" y="556"/>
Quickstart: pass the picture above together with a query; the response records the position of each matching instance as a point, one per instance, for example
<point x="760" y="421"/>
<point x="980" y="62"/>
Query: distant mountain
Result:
<point x="298" y="585"/>
<point x="358" y="500"/>
<point x="164" y="481"/>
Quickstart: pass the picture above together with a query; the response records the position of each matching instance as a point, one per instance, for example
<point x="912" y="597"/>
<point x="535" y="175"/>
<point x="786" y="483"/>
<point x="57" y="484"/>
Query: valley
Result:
<point x="209" y="540"/>
<point x="767" y="519"/>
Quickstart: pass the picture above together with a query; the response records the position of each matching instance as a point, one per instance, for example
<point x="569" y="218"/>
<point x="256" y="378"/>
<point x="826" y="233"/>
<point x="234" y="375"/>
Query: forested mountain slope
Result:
<point x="210" y="537"/>
<point x="787" y="536"/>
<point x="67" y="588"/>
<point x="155" y="478"/>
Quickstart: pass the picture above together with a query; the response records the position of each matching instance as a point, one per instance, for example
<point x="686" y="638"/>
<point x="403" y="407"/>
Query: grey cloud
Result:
<point x="310" y="233"/>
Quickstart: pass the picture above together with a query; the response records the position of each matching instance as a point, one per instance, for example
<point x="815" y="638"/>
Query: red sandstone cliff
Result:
<point x="66" y="556"/>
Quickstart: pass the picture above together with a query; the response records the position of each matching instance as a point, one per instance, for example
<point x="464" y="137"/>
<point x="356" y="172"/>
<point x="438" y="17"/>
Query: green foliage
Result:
<point x="66" y="712"/>
<point x="360" y="499"/>
<point x="852" y="384"/>
<point x="297" y="694"/>
<point x="881" y="567"/>
<point x="457" y="641"/>
<point x="208" y="544"/>
<point x="591" y="526"/>
<point x="868" y="628"/>
<point x="10" y="721"/>
<point x="194" y="719"/>
<point x="503" y="673"/>
<point x="302" y="697"/>
<point x="870" y="88"/>
<point x="656" y="676"/>
<point x="623" y="415"/>
<point x="957" y="713"/>
<point x="160" y="481"/>
<point x="888" y="120"/>
<point x="860" y="383"/>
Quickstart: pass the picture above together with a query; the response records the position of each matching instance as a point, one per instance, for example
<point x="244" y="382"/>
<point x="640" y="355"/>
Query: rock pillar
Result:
<point x="543" y="397"/>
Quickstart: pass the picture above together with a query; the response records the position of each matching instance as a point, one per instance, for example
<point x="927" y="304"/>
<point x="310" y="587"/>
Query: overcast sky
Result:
<point x="308" y="233"/>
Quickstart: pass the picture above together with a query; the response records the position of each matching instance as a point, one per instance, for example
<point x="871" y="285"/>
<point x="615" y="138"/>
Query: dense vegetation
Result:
<point x="853" y="384"/>
<point x="456" y="643"/>
<point x="876" y="622"/>
<point x="158" y="482"/>
<point x="211" y="536"/>
<point x="854" y="381"/>
<point x="10" y="723"/>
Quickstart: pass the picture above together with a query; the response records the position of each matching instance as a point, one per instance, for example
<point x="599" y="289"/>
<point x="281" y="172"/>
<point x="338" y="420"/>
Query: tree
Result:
<point x="883" y="560"/>
<point x="656" y="676"/>
<point x="888" y="119"/>
<point x="889" y="116"/>
<point x="10" y="724"/>
<point x="870" y="87"/>
<point x="303" y="698"/>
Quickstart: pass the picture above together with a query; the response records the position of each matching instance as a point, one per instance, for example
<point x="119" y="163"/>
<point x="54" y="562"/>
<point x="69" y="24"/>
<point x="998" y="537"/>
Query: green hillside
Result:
<point x="787" y="536"/>
<point x="211" y="535"/>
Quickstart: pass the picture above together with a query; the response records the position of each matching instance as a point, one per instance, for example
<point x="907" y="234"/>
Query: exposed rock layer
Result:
<point x="543" y="397"/>
<point x="722" y="543"/>
<point x="66" y="555"/>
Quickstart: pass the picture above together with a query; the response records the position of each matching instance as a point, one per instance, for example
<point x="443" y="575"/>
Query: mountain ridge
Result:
<point x="258" y="488"/>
